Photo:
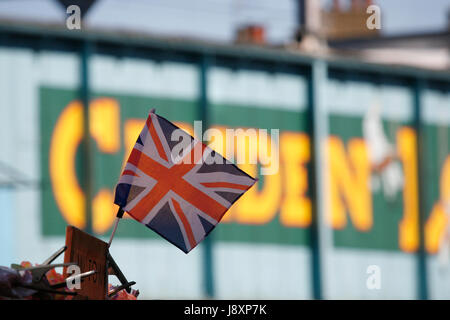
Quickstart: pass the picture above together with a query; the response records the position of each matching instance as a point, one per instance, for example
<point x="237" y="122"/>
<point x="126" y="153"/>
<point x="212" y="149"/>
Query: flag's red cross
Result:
<point x="172" y="179"/>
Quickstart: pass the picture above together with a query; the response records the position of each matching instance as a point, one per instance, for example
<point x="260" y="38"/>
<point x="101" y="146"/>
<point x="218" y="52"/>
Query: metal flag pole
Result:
<point x="116" y="223"/>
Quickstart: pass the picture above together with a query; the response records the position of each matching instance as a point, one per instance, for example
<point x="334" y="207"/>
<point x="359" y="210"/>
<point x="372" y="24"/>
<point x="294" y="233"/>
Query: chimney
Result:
<point x="251" y="34"/>
<point x="336" y="6"/>
<point x="356" y="5"/>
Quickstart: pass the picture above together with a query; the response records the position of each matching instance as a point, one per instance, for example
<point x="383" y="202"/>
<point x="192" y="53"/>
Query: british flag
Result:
<point x="180" y="193"/>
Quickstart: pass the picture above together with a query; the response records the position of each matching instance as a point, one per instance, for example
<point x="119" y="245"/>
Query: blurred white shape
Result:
<point x="392" y="178"/>
<point x="430" y="58"/>
<point x="382" y="153"/>
<point x="379" y="146"/>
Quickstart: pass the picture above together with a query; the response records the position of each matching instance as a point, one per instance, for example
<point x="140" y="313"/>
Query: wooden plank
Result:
<point x="90" y="254"/>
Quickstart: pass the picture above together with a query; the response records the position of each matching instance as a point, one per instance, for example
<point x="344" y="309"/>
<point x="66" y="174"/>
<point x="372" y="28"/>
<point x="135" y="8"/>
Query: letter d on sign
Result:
<point x="374" y="280"/>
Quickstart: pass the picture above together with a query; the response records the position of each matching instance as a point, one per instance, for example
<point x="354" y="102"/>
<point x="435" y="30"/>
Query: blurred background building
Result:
<point x="363" y="186"/>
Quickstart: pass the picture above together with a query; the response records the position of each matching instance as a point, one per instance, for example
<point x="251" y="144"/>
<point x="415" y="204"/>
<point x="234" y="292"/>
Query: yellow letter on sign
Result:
<point x="296" y="207"/>
<point x="438" y="220"/>
<point x="257" y="206"/>
<point x="66" y="137"/>
<point x="409" y="225"/>
<point x="349" y="184"/>
<point x="104" y="127"/>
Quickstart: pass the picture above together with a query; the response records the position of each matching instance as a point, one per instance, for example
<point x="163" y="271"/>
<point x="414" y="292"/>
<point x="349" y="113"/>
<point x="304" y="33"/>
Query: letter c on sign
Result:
<point x="66" y="137"/>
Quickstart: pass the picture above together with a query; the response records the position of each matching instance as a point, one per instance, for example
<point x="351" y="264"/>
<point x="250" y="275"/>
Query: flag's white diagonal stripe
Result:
<point x="224" y="177"/>
<point x="191" y="214"/>
<point x="161" y="137"/>
<point x="149" y="147"/>
<point x="152" y="213"/>
<point x="237" y="191"/>
<point x="191" y="178"/>
<point x="181" y="225"/>
<point x="137" y="181"/>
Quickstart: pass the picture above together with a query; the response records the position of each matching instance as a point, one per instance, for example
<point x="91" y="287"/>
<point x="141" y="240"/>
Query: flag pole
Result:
<point x="116" y="223"/>
<point x="120" y="212"/>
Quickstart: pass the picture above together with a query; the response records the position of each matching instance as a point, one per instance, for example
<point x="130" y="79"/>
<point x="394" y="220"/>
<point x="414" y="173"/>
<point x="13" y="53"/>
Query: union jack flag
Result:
<point x="180" y="193"/>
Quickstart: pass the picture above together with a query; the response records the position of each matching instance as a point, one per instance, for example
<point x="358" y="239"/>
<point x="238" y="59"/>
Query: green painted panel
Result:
<point x="107" y="167"/>
<point x="386" y="213"/>
<point x="352" y="99"/>
<point x="244" y="116"/>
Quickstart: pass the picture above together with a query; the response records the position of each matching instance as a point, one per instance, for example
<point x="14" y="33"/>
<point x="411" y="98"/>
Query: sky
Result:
<point x="217" y="19"/>
<point x="413" y="16"/>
